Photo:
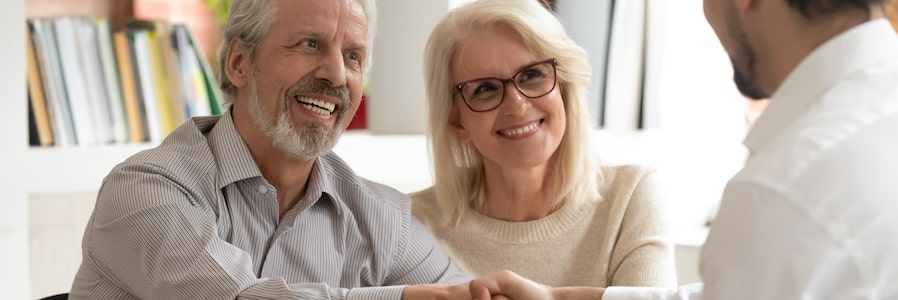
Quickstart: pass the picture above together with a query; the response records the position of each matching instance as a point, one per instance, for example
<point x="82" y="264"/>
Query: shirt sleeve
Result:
<point x="420" y="258"/>
<point x="644" y="253"/>
<point x="152" y="239"/>
<point x="686" y="292"/>
<point x="764" y="245"/>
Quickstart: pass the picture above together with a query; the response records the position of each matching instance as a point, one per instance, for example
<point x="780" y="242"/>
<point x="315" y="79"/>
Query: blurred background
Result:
<point x="107" y="78"/>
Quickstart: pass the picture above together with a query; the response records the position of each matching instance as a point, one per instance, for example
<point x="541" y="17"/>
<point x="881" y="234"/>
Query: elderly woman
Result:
<point x="518" y="185"/>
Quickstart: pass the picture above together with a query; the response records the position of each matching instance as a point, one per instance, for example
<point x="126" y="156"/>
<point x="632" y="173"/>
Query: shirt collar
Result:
<point x="860" y="47"/>
<point x="235" y="163"/>
<point x="321" y="185"/>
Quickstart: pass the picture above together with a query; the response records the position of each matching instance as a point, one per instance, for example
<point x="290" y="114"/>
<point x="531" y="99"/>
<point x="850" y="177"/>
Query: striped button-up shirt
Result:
<point x="195" y="219"/>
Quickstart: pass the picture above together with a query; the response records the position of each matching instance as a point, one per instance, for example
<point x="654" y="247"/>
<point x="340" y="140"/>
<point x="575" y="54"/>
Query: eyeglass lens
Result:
<point x="533" y="81"/>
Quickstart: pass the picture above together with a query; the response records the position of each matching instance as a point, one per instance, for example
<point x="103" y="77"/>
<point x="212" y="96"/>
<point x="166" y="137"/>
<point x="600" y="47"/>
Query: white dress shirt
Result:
<point x="814" y="212"/>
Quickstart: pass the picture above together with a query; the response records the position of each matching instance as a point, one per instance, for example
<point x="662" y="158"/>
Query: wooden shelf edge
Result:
<point x="118" y="11"/>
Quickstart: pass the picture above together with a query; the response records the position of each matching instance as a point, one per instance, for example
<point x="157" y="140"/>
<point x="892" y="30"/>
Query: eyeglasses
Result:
<point x="533" y="81"/>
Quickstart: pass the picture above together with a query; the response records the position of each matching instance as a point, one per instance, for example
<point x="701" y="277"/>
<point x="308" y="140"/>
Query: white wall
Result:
<point x="702" y="113"/>
<point x="587" y="22"/>
<point x="13" y="211"/>
<point x="697" y="146"/>
<point x="396" y="90"/>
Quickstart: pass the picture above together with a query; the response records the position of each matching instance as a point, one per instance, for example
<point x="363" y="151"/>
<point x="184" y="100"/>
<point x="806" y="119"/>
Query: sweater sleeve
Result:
<point x="644" y="250"/>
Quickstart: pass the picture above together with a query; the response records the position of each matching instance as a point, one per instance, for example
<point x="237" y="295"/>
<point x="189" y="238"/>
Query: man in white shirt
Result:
<point x="811" y="215"/>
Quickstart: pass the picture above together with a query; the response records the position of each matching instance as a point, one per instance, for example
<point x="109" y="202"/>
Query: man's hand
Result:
<point x="459" y="291"/>
<point x="508" y="285"/>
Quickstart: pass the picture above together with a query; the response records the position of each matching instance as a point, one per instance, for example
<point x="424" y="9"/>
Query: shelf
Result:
<point x="52" y="8"/>
<point x="73" y="169"/>
<point x="118" y="11"/>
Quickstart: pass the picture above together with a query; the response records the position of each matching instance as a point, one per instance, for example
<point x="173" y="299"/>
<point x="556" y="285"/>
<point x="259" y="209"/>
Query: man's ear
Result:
<point x="236" y="64"/>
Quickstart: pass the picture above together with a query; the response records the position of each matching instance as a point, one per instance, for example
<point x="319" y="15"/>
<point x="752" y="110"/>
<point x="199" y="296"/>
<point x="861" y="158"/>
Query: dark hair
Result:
<point x="819" y="8"/>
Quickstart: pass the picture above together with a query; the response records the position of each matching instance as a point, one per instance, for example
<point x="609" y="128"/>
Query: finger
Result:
<point x="483" y="294"/>
<point x="483" y="285"/>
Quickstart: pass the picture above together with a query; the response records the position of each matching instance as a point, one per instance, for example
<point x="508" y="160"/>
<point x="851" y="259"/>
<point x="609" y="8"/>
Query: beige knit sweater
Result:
<point x="623" y="239"/>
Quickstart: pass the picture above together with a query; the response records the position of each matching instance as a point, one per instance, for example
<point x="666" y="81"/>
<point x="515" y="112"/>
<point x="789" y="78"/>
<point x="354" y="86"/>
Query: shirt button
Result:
<point x="263" y="189"/>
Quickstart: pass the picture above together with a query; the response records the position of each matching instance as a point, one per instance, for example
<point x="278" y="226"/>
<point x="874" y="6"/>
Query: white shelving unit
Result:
<point x="27" y="171"/>
<point x="13" y="151"/>
<point x="73" y="169"/>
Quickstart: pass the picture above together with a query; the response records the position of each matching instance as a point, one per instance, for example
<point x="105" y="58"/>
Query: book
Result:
<point x="163" y="100"/>
<point x="129" y="86"/>
<point x="144" y="81"/>
<point x="36" y="101"/>
<point x="33" y="134"/>
<point x="184" y="74"/>
<point x="172" y="72"/>
<point x="74" y="81"/>
<point x="94" y="83"/>
<point x="132" y="85"/>
<point x="112" y="84"/>
<point x="196" y="94"/>
<point x="43" y="37"/>
<point x="209" y="82"/>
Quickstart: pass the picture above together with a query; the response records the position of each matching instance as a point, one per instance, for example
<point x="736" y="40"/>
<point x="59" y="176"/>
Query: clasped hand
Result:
<point x="501" y="285"/>
<point x="508" y="285"/>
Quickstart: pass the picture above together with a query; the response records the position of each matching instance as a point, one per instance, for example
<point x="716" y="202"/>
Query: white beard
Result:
<point x="306" y="143"/>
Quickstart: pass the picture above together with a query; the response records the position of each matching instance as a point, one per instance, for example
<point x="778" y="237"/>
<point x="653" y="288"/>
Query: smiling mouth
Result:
<point x="519" y="131"/>
<point x="317" y="106"/>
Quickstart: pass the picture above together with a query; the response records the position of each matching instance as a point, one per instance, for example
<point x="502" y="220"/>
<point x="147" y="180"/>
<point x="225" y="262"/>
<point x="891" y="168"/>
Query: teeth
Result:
<point x="317" y="110"/>
<point x="521" y="130"/>
<point x="317" y="106"/>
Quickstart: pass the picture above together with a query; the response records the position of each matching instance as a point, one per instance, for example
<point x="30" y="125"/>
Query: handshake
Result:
<point x="501" y="285"/>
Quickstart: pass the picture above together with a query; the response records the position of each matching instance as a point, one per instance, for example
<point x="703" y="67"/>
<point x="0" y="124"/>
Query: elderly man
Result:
<point x="252" y="204"/>
<point x="811" y="215"/>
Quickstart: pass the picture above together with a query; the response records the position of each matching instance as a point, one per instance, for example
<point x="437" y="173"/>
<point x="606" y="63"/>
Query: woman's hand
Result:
<point x="508" y="285"/>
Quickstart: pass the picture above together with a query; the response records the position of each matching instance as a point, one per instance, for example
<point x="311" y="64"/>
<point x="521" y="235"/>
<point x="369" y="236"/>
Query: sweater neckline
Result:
<point x="556" y="223"/>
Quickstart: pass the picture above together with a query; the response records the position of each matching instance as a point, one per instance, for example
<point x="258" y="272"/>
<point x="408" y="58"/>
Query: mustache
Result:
<point x="314" y="86"/>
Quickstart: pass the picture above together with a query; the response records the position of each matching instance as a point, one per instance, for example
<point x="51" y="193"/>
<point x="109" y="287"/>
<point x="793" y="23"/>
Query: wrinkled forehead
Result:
<point x="343" y="19"/>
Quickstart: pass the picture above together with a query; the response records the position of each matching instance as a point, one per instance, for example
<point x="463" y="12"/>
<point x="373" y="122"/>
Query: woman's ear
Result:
<point x="236" y="67"/>
<point x="461" y="133"/>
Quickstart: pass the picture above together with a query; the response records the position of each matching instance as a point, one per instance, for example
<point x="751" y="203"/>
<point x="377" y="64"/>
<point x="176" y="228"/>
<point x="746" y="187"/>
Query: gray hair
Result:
<point x="249" y="21"/>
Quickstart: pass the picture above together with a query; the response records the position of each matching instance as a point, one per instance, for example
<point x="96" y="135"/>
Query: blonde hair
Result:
<point x="458" y="167"/>
<point x="248" y="23"/>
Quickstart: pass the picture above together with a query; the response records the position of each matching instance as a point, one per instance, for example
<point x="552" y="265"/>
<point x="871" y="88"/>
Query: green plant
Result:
<point x="219" y="9"/>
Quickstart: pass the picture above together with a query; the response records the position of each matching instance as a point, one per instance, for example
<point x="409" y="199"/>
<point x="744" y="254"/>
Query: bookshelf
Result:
<point x="36" y="178"/>
<point x="13" y="149"/>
